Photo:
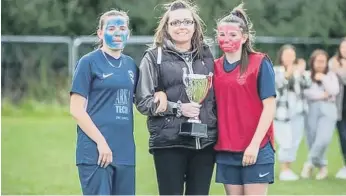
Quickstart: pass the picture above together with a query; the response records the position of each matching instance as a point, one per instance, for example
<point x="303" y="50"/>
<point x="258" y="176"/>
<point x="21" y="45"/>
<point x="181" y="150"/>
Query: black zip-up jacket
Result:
<point x="164" y="127"/>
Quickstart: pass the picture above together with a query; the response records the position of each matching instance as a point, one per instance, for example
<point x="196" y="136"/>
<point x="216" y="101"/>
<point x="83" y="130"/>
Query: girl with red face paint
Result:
<point x="244" y="83"/>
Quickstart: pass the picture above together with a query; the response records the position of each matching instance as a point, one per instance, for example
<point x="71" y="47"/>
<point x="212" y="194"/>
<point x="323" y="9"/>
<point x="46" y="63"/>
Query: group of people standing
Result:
<point x="312" y="102"/>
<point x="238" y="110"/>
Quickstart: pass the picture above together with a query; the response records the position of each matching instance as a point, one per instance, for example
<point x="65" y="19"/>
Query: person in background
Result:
<point x="184" y="164"/>
<point x="322" y="116"/>
<point x="244" y="84"/>
<point x="103" y="88"/>
<point x="289" y="120"/>
<point x="338" y="65"/>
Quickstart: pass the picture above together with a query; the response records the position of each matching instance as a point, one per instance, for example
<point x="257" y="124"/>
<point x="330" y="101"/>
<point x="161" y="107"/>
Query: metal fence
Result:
<point x="137" y="45"/>
<point x="40" y="67"/>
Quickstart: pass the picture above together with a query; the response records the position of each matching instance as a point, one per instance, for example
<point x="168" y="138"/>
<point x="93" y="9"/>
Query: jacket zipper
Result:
<point x="189" y="66"/>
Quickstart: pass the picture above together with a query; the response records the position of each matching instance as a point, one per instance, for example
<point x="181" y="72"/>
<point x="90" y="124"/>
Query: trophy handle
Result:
<point x="210" y="83"/>
<point x="210" y="78"/>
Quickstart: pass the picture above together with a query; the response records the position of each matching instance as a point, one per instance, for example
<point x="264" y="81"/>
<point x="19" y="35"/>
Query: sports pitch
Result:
<point x="38" y="157"/>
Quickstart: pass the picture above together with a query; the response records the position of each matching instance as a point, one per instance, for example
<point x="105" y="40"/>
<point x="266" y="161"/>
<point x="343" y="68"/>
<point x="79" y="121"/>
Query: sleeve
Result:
<point x="305" y="80"/>
<point x="266" y="80"/>
<point x="313" y="93"/>
<point x="331" y="84"/>
<point x="135" y="83"/>
<point x="330" y="63"/>
<point x="136" y="77"/>
<point x="82" y="78"/>
<point x="339" y="71"/>
<point x="145" y="90"/>
<point x="280" y="81"/>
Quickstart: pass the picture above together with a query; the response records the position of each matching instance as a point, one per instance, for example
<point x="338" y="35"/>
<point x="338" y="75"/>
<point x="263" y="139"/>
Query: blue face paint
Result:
<point x="116" y="33"/>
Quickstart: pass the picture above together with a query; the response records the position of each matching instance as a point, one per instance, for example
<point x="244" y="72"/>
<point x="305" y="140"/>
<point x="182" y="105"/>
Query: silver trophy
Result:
<point x="197" y="87"/>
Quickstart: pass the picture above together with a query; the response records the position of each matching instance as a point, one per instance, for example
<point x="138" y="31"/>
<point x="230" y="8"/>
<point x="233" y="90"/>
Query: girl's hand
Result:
<point x="250" y="155"/>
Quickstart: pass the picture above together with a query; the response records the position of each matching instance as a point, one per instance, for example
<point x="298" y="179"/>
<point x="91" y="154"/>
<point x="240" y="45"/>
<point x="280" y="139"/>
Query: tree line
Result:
<point x="303" y="18"/>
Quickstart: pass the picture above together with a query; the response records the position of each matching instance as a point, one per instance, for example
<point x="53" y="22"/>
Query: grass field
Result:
<point x="38" y="156"/>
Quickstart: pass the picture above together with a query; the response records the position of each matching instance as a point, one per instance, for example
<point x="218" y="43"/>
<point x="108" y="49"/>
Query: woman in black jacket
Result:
<point x="178" y="44"/>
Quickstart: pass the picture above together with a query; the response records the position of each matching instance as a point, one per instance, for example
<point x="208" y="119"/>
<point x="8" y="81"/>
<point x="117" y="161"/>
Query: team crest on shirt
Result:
<point x="131" y="75"/>
<point x="241" y="79"/>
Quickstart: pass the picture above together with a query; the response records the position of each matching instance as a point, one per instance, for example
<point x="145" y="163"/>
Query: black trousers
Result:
<point x="341" y="125"/>
<point x="176" y="167"/>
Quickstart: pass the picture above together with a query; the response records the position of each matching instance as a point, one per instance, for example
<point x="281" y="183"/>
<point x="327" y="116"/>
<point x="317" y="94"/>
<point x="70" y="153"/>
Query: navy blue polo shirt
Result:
<point x="108" y="84"/>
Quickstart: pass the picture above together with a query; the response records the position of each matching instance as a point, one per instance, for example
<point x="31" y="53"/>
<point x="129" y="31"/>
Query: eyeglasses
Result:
<point x="177" y="23"/>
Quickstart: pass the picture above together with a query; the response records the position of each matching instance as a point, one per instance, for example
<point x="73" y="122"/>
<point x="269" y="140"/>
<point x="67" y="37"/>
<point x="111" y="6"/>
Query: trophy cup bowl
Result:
<point x="197" y="87"/>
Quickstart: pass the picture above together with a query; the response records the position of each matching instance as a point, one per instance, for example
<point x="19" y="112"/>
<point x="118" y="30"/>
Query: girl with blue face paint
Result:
<point x="102" y="96"/>
<point x="116" y="32"/>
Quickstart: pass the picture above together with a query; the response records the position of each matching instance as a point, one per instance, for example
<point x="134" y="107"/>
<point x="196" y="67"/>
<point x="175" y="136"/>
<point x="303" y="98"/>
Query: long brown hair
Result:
<point x="238" y="15"/>
<point x="312" y="59"/>
<point x="103" y="17"/>
<point x="281" y="51"/>
<point x="161" y="32"/>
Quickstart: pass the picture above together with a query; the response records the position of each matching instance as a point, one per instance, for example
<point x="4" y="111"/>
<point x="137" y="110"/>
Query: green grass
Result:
<point x="38" y="156"/>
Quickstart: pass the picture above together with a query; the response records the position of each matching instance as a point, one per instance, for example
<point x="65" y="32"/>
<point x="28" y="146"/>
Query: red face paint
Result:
<point x="229" y="38"/>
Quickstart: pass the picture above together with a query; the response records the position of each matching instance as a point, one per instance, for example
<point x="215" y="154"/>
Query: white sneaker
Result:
<point x="288" y="175"/>
<point x="341" y="173"/>
<point x="322" y="174"/>
<point x="307" y="170"/>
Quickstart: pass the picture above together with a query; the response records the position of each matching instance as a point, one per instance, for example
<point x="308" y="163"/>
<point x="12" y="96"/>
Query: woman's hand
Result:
<point x="289" y="71"/>
<point x="161" y="98"/>
<point x="190" y="109"/>
<point x="319" y="76"/>
<point x="301" y="66"/>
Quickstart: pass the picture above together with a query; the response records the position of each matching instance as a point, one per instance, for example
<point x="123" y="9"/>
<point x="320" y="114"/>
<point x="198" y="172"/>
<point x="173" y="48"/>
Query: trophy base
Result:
<point x="198" y="130"/>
